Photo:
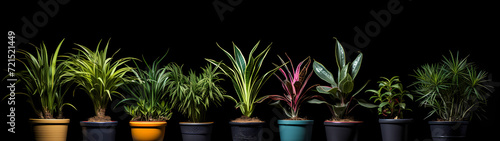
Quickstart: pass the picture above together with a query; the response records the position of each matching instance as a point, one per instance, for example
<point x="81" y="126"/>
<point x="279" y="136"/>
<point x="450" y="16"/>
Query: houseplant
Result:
<point x="148" y="103"/>
<point x="46" y="87"/>
<point x="294" y="83"/>
<point x="456" y="90"/>
<point x="99" y="76"/>
<point x="341" y="126"/>
<point x="192" y="95"/>
<point x="247" y="82"/>
<point x="389" y="100"/>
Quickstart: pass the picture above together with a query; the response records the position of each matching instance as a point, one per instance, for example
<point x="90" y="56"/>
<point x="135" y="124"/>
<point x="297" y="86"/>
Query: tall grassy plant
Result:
<point x="44" y="79"/>
<point x="245" y="75"/>
<point x="98" y="75"/>
<point x="149" y="94"/>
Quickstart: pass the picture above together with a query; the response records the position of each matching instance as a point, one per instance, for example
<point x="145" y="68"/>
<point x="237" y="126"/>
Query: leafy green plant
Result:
<point x="245" y="77"/>
<point x="390" y="98"/>
<point x="44" y="80"/>
<point x="455" y="89"/>
<point x="294" y="84"/>
<point x="149" y="94"/>
<point x="193" y="94"/>
<point x="98" y="75"/>
<point x="340" y="89"/>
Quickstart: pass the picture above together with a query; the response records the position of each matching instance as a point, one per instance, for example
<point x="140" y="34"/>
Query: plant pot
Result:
<point x="448" y="130"/>
<point x="98" y="131"/>
<point x="394" y="129"/>
<point x="295" y="130"/>
<point x="196" y="131"/>
<point x="50" y="129"/>
<point x="342" y="130"/>
<point x="246" y="131"/>
<point x="147" y="130"/>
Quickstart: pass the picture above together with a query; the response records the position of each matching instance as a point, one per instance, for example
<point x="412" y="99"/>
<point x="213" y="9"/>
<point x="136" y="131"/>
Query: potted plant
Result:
<point x="247" y="82"/>
<point x="192" y="95"/>
<point x="456" y="90"/>
<point x="389" y="100"/>
<point x="294" y="83"/>
<point x="46" y="86"/>
<point x="148" y="104"/>
<point x="341" y="127"/>
<point x="99" y="76"/>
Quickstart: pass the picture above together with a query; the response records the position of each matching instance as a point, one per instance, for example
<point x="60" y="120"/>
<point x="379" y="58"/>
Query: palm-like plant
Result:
<point x="294" y="84"/>
<point x="193" y="94"/>
<point x="44" y="79"/>
<point x="98" y="75"/>
<point x="454" y="88"/>
<point x="341" y="88"/>
<point x="149" y="100"/>
<point x="245" y="77"/>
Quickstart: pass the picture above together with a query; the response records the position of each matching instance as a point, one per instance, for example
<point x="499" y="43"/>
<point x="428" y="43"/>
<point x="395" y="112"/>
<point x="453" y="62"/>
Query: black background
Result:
<point x="419" y="34"/>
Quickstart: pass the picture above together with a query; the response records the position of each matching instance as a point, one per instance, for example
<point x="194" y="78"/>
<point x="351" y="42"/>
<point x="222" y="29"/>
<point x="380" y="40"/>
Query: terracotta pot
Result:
<point x="342" y="131"/>
<point x="148" y="130"/>
<point x="50" y="129"/>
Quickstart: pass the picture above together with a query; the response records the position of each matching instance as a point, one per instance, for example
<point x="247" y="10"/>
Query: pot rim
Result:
<point x="50" y="121"/>
<point x="247" y="123"/>
<point x="329" y="121"/>
<point x="448" y="122"/>
<point x="147" y="123"/>
<point x="195" y="123"/>
<point x="389" y="121"/>
<point x="296" y="122"/>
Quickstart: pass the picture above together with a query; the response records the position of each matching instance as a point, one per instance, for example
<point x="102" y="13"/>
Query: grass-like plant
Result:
<point x="390" y="98"/>
<point x="455" y="89"/>
<point x="294" y="83"/>
<point x="193" y="94"/>
<point x="44" y="80"/>
<point x="245" y="76"/>
<point x="98" y="75"/>
<point x="149" y="94"/>
<point x="340" y="89"/>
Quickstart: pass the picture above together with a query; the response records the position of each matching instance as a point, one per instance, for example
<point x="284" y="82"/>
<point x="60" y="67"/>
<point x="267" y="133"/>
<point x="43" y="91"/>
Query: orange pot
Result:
<point x="148" y="130"/>
<point x="50" y="129"/>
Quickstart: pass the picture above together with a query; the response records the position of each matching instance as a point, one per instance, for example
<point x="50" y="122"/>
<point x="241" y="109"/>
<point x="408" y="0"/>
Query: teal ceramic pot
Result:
<point x="295" y="130"/>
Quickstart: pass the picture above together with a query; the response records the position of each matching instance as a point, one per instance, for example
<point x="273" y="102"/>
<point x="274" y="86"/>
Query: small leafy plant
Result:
<point x="149" y="94"/>
<point x="390" y="98"/>
<point x="294" y="83"/>
<point x="193" y="94"/>
<point x="340" y="89"/>
<point x="455" y="89"/>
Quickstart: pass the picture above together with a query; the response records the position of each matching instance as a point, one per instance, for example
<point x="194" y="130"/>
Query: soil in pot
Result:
<point x="98" y="131"/>
<point x="448" y="130"/>
<point x="50" y="129"/>
<point x="394" y="129"/>
<point x="147" y="130"/>
<point x="199" y="131"/>
<point x="342" y="130"/>
<point x="295" y="130"/>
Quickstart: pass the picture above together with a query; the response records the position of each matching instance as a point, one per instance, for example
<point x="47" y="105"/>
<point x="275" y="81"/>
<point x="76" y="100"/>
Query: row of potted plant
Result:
<point x="455" y="90"/>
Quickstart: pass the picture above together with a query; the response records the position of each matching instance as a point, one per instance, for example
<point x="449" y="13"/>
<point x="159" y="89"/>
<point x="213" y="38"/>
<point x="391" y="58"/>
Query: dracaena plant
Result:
<point x="245" y="76"/>
<point x="455" y="89"/>
<point x="98" y="75"/>
<point x="149" y="94"/>
<point x="340" y="89"/>
<point x="44" y="80"/>
<point x="294" y="82"/>
<point x="192" y="94"/>
<point x="390" y="98"/>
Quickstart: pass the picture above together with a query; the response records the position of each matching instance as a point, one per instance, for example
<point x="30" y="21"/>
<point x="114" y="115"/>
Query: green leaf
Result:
<point x="317" y="101"/>
<point x="346" y="85"/>
<point x="356" y="65"/>
<point x="339" y="54"/>
<point x="323" y="73"/>
<point x="366" y="104"/>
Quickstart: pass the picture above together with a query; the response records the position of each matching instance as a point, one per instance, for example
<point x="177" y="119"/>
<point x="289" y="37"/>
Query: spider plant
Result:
<point x="193" y="94"/>
<point x="294" y="84"/>
<point x="98" y="75"/>
<point x="245" y="77"/>
<point x="148" y="101"/>
<point x="390" y="97"/>
<point x="44" y="80"/>
<point x="455" y="89"/>
<point x="340" y="89"/>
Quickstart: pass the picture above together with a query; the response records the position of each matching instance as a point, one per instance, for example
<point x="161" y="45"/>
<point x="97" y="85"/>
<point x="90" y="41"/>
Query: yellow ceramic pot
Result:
<point x="50" y="129"/>
<point x="148" y="130"/>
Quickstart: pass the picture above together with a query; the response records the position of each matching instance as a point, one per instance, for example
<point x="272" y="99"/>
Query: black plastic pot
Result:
<point x="448" y="130"/>
<point x="394" y="129"/>
<point x="246" y="131"/>
<point x="196" y="131"/>
<point x="98" y="131"/>
<point x="342" y="131"/>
